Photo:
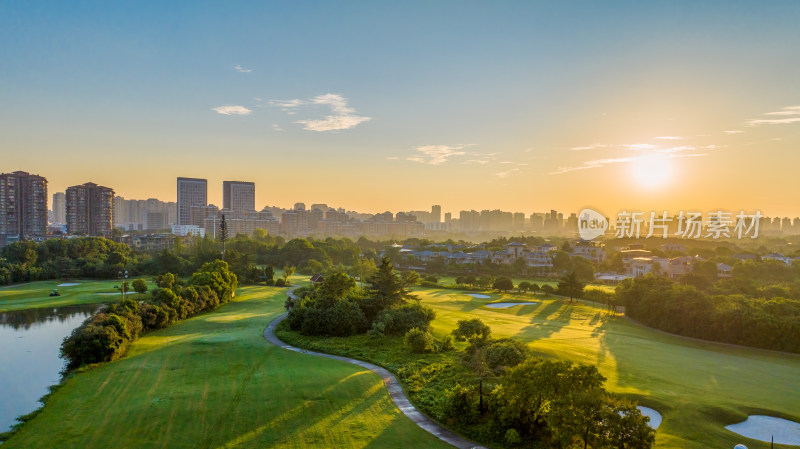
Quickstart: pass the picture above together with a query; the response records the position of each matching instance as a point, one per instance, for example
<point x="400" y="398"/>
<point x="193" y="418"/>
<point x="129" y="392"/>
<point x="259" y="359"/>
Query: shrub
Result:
<point x="512" y="437"/>
<point x="401" y="319"/>
<point x="505" y="353"/>
<point x="446" y="344"/>
<point x="461" y="404"/>
<point x="347" y="319"/>
<point x="419" y="341"/>
<point x="377" y="330"/>
<point x="280" y="282"/>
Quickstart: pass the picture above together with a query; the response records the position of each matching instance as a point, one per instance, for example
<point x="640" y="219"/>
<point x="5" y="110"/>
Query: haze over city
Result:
<point x="373" y="106"/>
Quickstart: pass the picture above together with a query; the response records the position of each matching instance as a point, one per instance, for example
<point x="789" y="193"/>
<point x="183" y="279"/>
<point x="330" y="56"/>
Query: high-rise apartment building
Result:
<point x="436" y="214"/>
<point x="59" y="208"/>
<point x="192" y="192"/>
<point x="238" y="196"/>
<point x="90" y="210"/>
<point x="23" y="205"/>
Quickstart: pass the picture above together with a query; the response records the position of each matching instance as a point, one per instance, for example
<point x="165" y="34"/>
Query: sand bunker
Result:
<point x="763" y="428"/>
<point x="68" y="284"/>
<point x="505" y="305"/>
<point x="478" y="295"/>
<point x="106" y="294"/>
<point x="655" y="417"/>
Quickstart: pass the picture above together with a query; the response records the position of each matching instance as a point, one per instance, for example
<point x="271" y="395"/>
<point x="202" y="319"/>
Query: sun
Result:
<point x="652" y="171"/>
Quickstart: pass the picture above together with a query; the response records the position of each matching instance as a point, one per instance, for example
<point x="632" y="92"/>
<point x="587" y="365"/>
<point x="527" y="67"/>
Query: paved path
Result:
<point x="395" y="390"/>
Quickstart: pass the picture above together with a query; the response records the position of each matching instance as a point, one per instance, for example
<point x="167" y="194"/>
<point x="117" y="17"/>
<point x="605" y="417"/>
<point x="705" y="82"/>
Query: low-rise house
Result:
<point x="779" y="257"/>
<point x="724" y="270"/>
<point x="593" y="251"/>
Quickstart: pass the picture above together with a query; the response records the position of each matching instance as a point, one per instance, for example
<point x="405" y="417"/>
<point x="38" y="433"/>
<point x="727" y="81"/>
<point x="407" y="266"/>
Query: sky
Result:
<point x="370" y="105"/>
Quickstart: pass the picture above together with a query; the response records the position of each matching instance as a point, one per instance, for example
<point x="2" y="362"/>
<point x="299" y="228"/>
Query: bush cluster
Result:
<point x="107" y="335"/>
<point x="339" y="308"/>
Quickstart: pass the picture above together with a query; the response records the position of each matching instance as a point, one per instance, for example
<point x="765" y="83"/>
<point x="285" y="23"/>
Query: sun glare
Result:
<point x="652" y="171"/>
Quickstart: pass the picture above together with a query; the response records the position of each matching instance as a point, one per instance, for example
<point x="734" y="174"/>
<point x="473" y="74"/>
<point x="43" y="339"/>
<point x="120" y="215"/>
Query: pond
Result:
<point x="29" y="361"/>
<point x="506" y="305"/>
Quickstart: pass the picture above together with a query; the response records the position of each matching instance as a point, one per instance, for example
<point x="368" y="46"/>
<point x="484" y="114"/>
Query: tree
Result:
<point x="409" y="279"/>
<point x="524" y="286"/>
<point x="526" y="391"/>
<point x="535" y="288"/>
<point x="140" y="286"/>
<point x="520" y="266"/>
<point x="561" y="262"/>
<point x="485" y="281"/>
<point x="571" y="286"/>
<point x="473" y="331"/>
<point x="626" y="427"/>
<point x="547" y="289"/>
<point x="218" y="278"/>
<point x="419" y="341"/>
<point x="386" y="285"/>
<point x="269" y="275"/>
<point x="288" y="271"/>
<point x="334" y="288"/>
<point x="223" y="234"/>
<point x="166" y="280"/>
<point x="503" y="284"/>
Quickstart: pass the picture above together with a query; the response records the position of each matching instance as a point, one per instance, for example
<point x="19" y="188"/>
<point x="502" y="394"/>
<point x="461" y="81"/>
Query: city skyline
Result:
<point x="520" y="106"/>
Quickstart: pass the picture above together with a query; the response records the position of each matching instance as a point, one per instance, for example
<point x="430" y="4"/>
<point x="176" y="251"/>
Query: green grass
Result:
<point x="697" y="387"/>
<point x="213" y="381"/>
<point x="35" y="295"/>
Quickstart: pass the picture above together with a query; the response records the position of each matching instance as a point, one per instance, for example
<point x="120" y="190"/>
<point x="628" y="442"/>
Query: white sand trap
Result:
<point x="655" y="417"/>
<point x="68" y="284"/>
<point x="478" y="295"/>
<point x="108" y="294"/>
<point x="505" y="305"/>
<point x="763" y="428"/>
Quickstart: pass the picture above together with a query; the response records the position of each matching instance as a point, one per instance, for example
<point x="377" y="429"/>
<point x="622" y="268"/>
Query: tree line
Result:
<point x="106" y="335"/>
<point x="720" y="313"/>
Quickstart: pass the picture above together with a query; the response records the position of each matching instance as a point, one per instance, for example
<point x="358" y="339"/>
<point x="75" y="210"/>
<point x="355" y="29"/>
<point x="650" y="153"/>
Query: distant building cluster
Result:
<point x="92" y="210"/>
<point x="82" y="210"/>
<point x="539" y="258"/>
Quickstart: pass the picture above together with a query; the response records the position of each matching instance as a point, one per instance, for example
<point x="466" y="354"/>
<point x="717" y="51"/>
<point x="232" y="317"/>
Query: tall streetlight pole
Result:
<point x="123" y="275"/>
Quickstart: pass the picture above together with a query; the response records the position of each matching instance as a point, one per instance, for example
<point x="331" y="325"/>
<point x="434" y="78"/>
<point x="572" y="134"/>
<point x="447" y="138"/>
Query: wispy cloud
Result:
<point x="733" y="131"/>
<point x="640" y="146"/>
<point x="772" y="121"/>
<point x="597" y="163"/>
<point x="342" y="117"/>
<point x="232" y="110"/>
<point x="670" y="138"/>
<point x="436" y="154"/>
<point x="588" y="147"/>
<point x="785" y="111"/>
<point x="277" y="127"/>
<point x="286" y="104"/>
<point x="507" y="173"/>
<point x="241" y="69"/>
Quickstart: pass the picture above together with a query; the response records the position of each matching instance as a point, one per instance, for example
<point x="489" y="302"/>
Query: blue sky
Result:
<point x="398" y="105"/>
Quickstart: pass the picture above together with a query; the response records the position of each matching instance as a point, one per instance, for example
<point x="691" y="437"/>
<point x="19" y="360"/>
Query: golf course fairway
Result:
<point x="698" y="387"/>
<point x="36" y="295"/>
<point x="214" y="382"/>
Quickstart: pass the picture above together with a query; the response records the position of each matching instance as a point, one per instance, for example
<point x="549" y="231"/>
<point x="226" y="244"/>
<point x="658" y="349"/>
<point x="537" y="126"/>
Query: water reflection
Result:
<point x="29" y="355"/>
